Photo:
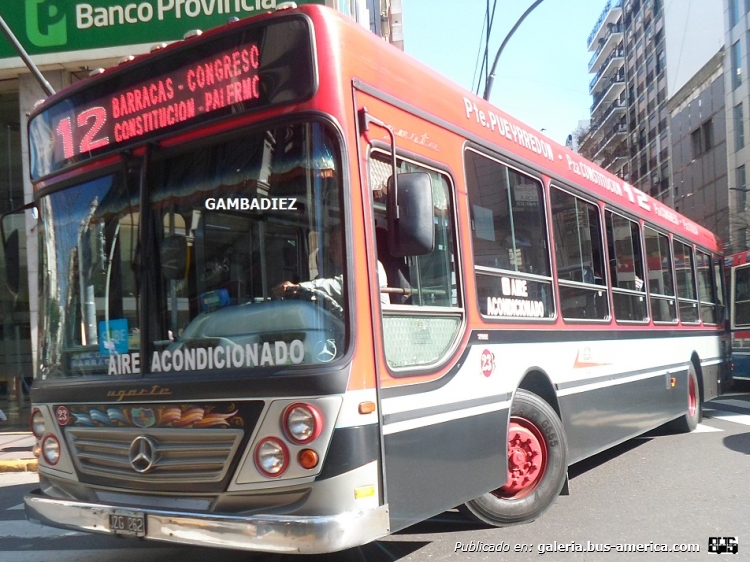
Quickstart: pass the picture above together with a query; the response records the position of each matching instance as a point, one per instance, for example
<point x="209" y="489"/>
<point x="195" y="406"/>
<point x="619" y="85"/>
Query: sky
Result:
<point x="542" y="76"/>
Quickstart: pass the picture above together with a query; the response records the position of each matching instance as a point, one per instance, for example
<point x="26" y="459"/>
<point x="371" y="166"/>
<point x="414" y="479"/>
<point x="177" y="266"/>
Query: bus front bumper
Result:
<point x="264" y="533"/>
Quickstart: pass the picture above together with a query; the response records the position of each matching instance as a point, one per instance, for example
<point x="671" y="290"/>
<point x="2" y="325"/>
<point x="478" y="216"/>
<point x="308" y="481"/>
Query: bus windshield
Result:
<point x="192" y="282"/>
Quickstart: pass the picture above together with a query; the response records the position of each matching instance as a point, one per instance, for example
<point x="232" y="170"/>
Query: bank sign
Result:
<point x="62" y="26"/>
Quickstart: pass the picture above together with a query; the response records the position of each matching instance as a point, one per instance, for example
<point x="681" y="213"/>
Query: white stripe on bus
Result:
<point x="426" y="421"/>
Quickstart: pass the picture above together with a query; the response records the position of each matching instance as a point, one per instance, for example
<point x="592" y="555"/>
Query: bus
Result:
<point x="299" y="292"/>
<point x="738" y="281"/>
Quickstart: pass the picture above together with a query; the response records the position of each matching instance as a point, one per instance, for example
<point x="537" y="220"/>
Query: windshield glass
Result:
<point x="239" y="263"/>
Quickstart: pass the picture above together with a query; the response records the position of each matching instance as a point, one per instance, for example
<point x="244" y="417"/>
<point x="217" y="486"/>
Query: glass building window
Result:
<point x="736" y="68"/>
<point x="697" y="143"/>
<point x="739" y="127"/>
<point x="741" y="188"/>
<point x="708" y="134"/>
<point x="734" y="13"/>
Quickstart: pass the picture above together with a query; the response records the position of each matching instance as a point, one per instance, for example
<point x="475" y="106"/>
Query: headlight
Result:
<point x="302" y="423"/>
<point x="271" y="457"/>
<point x="37" y="423"/>
<point x="51" y="449"/>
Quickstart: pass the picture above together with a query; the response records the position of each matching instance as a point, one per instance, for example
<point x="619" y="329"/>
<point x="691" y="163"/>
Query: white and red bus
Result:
<point x="300" y="292"/>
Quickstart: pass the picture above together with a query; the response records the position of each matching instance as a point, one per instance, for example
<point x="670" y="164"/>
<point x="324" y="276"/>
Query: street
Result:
<point x="673" y="490"/>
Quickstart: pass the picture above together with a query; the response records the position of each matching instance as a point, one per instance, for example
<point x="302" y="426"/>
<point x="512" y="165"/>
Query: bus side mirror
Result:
<point x="174" y="255"/>
<point x="12" y="248"/>
<point x="411" y="217"/>
<point x="12" y="262"/>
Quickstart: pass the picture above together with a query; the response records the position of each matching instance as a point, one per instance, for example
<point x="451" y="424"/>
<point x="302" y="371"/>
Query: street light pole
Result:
<point x="48" y="89"/>
<point x="491" y="77"/>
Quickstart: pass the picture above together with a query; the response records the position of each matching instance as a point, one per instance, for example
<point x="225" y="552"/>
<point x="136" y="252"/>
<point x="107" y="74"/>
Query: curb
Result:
<point x="20" y="465"/>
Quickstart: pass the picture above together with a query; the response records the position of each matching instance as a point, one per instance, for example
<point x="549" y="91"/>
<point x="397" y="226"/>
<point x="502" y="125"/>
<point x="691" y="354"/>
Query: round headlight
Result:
<point x="302" y="423"/>
<point x="37" y="423"/>
<point x="51" y="449"/>
<point x="271" y="457"/>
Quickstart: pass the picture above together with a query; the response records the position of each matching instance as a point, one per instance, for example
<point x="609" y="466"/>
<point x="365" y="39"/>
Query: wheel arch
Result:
<point x="695" y="360"/>
<point x="537" y="381"/>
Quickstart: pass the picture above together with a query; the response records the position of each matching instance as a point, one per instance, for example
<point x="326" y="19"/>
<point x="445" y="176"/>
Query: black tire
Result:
<point x="694" y="414"/>
<point x="505" y="506"/>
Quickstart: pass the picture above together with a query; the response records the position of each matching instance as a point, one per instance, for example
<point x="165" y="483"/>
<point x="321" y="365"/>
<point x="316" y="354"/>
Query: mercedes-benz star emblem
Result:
<point x="142" y="454"/>
<point x="325" y="350"/>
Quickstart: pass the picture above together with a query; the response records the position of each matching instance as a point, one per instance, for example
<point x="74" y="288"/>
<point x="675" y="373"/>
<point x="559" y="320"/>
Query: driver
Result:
<point x="331" y="286"/>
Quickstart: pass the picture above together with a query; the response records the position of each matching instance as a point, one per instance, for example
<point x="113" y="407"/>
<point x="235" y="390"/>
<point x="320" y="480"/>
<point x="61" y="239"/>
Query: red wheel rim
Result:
<point x="692" y="398"/>
<point x="527" y="459"/>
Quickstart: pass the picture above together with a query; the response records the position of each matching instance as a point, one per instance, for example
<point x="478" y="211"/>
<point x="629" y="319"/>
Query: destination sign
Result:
<point x="255" y="67"/>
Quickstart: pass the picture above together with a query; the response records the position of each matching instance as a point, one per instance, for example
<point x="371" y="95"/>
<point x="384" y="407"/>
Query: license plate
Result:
<point x="128" y="523"/>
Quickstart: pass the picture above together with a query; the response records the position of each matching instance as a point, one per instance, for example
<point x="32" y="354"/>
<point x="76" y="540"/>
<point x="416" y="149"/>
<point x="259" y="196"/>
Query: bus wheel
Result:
<point x="536" y="466"/>
<point x="694" y="414"/>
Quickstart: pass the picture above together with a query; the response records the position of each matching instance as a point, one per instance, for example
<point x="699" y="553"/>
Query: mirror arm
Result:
<point x="26" y="207"/>
<point x="365" y="119"/>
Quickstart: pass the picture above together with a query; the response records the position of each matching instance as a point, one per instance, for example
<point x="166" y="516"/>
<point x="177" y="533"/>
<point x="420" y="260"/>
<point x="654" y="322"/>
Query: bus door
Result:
<point x="435" y="452"/>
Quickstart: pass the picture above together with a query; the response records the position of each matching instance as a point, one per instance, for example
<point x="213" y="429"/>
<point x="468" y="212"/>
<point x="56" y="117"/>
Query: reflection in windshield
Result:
<point x="226" y="225"/>
<point x="89" y="284"/>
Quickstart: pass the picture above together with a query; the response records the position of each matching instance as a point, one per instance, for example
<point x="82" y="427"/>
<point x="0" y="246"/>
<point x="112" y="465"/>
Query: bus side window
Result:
<point x="706" y="288"/>
<point x="720" y="289"/>
<point x="509" y="234"/>
<point x="741" y="300"/>
<point x="660" y="278"/>
<point x="396" y="270"/>
<point x="580" y="257"/>
<point x="421" y="307"/>
<point x="686" y="296"/>
<point x="626" y="268"/>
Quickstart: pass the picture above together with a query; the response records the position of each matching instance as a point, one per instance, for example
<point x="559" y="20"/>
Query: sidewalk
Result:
<point x="16" y="451"/>
<point x="16" y="441"/>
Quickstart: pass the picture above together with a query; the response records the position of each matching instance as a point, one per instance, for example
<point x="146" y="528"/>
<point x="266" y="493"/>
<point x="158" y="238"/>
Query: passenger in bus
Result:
<point x="588" y="275"/>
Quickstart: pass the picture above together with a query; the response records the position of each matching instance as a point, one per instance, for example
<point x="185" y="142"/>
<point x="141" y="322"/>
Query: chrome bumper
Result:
<point x="264" y="533"/>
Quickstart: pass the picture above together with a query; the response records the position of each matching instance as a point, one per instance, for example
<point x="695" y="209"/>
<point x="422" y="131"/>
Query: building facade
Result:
<point x="696" y="104"/>
<point x="629" y="118"/>
<point x="737" y="111"/>
<point x="699" y="150"/>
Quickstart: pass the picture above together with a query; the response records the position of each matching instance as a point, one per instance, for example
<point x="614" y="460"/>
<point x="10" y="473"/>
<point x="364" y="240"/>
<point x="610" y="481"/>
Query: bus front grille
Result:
<point x="153" y="457"/>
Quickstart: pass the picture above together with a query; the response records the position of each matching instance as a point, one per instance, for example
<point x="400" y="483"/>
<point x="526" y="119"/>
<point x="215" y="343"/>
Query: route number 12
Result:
<point x="65" y="129"/>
